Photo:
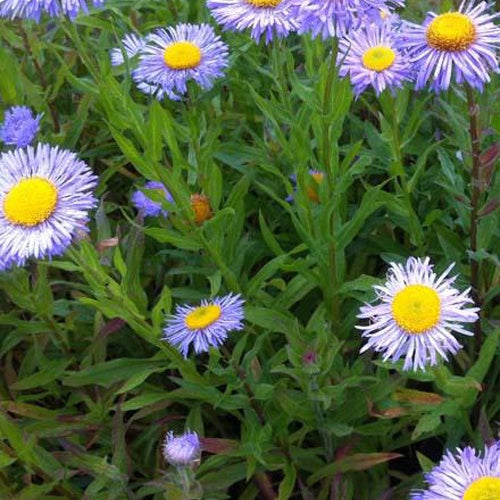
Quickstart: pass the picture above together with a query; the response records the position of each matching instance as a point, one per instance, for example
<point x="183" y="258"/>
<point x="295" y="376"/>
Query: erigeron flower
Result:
<point x="200" y="204"/>
<point x="268" y="18"/>
<point x="458" y="46"/>
<point x="416" y="315"/>
<point x="147" y="206"/>
<point x="206" y="325"/>
<point x="172" y="57"/>
<point x="369" y="57"/>
<point x="19" y="127"/>
<point x="464" y="475"/>
<point x="182" y="451"/>
<point x="33" y="9"/>
<point x="45" y="197"/>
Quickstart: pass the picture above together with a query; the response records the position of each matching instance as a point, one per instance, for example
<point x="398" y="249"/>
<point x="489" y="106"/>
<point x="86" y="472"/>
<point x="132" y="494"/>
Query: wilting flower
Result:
<point x="132" y="44"/>
<point x="182" y="451"/>
<point x="465" y="475"/>
<point x="200" y="204"/>
<point x="45" y="197"/>
<point x="33" y="9"/>
<point x="416" y="315"/>
<point x="272" y="18"/>
<point x="172" y="57"/>
<point x="146" y="205"/>
<point x="206" y="325"/>
<point x="313" y="181"/>
<point x="368" y="55"/>
<point x="20" y="127"/>
<point x="455" y="44"/>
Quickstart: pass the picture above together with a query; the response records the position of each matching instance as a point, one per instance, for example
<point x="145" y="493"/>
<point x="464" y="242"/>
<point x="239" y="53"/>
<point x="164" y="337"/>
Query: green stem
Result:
<point x="474" y="132"/>
<point x="332" y="285"/>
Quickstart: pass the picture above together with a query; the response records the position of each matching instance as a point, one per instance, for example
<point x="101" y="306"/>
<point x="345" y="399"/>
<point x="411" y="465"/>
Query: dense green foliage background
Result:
<point x="89" y="389"/>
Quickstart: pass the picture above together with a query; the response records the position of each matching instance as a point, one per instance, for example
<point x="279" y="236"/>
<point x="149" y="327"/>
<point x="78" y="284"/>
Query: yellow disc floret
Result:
<point x="378" y="58"/>
<point x="265" y="4"/>
<point x="416" y="308"/>
<point x="452" y="32"/>
<point x="484" y="488"/>
<point x="182" y="55"/>
<point x="202" y="316"/>
<point x="30" y="202"/>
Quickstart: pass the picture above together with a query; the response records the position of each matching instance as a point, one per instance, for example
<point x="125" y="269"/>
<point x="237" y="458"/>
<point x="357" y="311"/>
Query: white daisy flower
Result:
<point x="416" y="315"/>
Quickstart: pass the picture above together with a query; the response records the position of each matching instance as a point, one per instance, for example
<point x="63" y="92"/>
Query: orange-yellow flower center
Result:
<point x="451" y="32"/>
<point x="484" y="488"/>
<point x="30" y="202"/>
<point x="416" y="308"/>
<point x="182" y="55"/>
<point x="264" y="4"/>
<point x="200" y="204"/>
<point x="378" y="58"/>
<point x="202" y="316"/>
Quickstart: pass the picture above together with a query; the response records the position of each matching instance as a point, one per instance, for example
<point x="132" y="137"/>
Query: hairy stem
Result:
<point x="473" y="110"/>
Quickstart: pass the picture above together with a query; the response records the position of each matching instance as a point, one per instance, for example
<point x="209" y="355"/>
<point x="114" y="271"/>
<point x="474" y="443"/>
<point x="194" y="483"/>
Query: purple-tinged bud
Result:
<point x="182" y="451"/>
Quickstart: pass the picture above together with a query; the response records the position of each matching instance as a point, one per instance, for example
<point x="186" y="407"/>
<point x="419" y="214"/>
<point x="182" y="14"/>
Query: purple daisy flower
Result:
<point x="264" y="17"/>
<point x="146" y="205"/>
<point x="33" y="9"/>
<point x="327" y="18"/>
<point x="416" y="315"/>
<point x="465" y="475"/>
<point x="45" y="197"/>
<point x="174" y="56"/>
<point x="369" y="57"/>
<point x="20" y="127"/>
<point x="460" y="45"/>
<point x="132" y="45"/>
<point x="206" y="325"/>
<point x="182" y="451"/>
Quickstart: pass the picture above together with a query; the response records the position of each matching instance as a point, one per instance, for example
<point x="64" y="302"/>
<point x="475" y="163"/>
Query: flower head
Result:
<point x="271" y="18"/>
<point x="200" y="204"/>
<point x="416" y="315"/>
<point x="19" y="127"/>
<point x="172" y="57"/>
<point x="132" y="45"/>
<point x="45" y="197"/>
<point x="465" y="475"/>
<point x="206" y="325"/>
<point x="146" y="205"/>
<point x="327" y="18"/>
<point x="182" y="451"/>
<point x="459" y="45"/>
<point x="33" y="9"/>
<point x="370" y="58"/>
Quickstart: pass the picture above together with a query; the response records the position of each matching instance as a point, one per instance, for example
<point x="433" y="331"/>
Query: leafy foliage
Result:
<point x="89" y="389"/>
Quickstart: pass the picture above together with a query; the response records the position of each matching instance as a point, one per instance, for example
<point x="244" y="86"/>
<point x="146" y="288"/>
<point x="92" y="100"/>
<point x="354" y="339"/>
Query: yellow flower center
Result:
<point x="264" y="4"/>
<point x="416" y="308"/>
<point x="201" y="208"/>
<point x="484" y="488"/>
<point x="202" y="316"/>
<point x="378" y="58"/>
<point x="182" y="55"/>
<point x="30" y="202"/>
<point x="452" y="32"/>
